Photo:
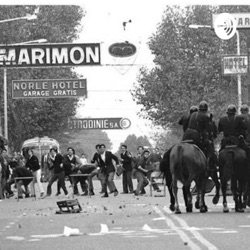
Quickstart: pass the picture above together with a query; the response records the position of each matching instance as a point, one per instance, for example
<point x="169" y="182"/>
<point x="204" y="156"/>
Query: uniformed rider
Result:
<point x="185" y="118"/>
<point x="233" y="128"/>
<point x="245" y="114"/>
<point x="200" y="129"/>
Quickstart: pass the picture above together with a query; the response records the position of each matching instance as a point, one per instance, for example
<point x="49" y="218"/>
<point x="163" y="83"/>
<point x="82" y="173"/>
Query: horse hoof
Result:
<point x="216" y="200"/>
<point x="203" y="209"/>
<point x="239" y="210"/>
<point x="189" y="208"/>
<point x="172" y="207"/>
<point x="225" y="210"/>
<point x="197" y="206"/>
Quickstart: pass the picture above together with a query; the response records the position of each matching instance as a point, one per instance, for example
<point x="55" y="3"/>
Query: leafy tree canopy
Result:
<point x="38" y="117"/>
<point x="188" y="66"/>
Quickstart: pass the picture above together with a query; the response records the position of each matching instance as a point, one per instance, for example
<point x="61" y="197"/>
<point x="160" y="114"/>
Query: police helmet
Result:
<point x="193" y="109"/>
<point x="231" y="109"/>
<point x="203" y="106"/>
<point x="244" y="109"/>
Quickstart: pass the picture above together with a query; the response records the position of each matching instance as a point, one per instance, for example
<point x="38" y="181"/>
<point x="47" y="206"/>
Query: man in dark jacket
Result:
<point x="107" y="170"/>
<point x="33" y="165"/>
<point x="126" y="159"/>
<point x="185" y="118"/>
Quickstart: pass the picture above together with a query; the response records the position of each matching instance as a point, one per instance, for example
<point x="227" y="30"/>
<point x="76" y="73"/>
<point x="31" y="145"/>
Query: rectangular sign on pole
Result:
<point x="50" y="55"/>
<point x="57" y="88"/>
<point x="242" y="19"/>
<point x="234" y="64"/>
<point x="99" y="123"/>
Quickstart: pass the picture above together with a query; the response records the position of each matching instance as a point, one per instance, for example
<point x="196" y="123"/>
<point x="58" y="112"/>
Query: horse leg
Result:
<point x="175" y="190"/>
<point x="215" y="178"/>
<point x="172" y="199"/>
<point x="202" y="186"/>
<point x="188" y="199"/>
<point x="224" y="194"/>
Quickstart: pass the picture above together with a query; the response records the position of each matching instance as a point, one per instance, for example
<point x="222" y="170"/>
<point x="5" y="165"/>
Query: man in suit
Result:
<point x="107" y="170"/>
<point x="126" y="159"/>
<point x="32" y="164"/>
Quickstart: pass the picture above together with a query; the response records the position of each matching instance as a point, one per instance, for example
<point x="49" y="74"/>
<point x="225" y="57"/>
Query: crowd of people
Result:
<point x="198" y="127"/>
<point x="55" y="167"/>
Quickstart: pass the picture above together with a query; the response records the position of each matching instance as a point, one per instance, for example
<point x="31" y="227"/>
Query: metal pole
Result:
<point x="239" y="76"/>
<point x="5" y="104"/>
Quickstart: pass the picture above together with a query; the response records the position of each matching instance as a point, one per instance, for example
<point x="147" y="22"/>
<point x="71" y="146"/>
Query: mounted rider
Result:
<point x="201" y="129"/>
<point x="245" y="114"/>
<point x="233" y="127"/>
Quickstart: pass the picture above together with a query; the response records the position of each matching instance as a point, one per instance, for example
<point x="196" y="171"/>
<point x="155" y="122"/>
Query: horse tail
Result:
<point x="178" y="164"/>
<point x="228" y="167"/>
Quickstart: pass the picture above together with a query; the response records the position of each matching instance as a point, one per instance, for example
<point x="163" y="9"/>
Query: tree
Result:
<point x="57" y="24"/>
<point x="132" y="142"/>
<point x="83" y="141"/>
<point x="188" y="67"/>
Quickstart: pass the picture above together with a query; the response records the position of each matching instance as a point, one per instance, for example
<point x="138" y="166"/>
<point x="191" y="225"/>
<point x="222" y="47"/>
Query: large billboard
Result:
<point x="242" y="19"/>
<point x="57" y="88"/>
<point x="50" y="55"/>
<point x="234" y="64"/>
<point x="98" y="123"/>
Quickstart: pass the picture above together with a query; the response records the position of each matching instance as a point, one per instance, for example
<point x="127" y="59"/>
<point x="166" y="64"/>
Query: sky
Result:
<point x="108" y="85"/>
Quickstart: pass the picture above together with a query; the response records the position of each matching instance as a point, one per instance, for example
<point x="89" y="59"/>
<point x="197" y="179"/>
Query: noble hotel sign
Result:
<point x="57" y="88"/>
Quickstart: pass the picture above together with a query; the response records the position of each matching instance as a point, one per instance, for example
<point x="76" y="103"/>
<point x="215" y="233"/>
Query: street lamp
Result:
<point x="195" y="26"/>
<point x="27" y="17"/>
<point x="5" y="91"/>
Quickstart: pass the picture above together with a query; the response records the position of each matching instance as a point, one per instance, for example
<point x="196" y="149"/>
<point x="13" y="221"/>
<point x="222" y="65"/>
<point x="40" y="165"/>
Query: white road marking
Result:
<point x="17" y="238"/>
<point x="182" y="234"/>
<point x="47" y="236"/>
<point x="196" y="234"/>
<point x="226" y="232"/>
<point x="244" y="225"/>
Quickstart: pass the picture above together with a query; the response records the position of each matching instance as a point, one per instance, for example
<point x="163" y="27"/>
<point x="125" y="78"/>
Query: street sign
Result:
<point x="98" y="123"/>
<point x="50" y="55"/>
<point x="234" y="64"/>
<point x="242" y="20"/>
<point x="57" y="88"/>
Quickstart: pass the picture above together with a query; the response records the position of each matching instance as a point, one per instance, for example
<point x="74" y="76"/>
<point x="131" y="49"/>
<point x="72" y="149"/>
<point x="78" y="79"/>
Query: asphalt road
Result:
<point x="122" y="222"/>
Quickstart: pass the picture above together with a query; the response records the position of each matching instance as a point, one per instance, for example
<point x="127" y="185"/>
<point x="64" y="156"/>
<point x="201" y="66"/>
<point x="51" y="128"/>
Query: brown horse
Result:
<point x="233" y="166"/>
<point x="187" y="164"/>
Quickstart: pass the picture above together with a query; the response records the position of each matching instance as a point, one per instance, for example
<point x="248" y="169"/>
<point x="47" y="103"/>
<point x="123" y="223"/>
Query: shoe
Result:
<point x="111" y="192"/>
<point x="58" y="193"/>
<point x="19" y="197"/>
<point x="102" y="192"/>
<point x="124" y="193"/>
<point x="27" y="196"/>
<point x="33" y="195"/>
<point x="158" y="190"/>
<point x="67" y="196"/>
<point x="143" y="192"/>
<point x="91" y="193"/>
<point x="77" y="194"/>
<point x="105" y="195"/>
<point x="42" y="194"/>
<point x="85" y="193"/>
<point x="135" y="193"/>
<point x="115" y="193"/>
<point x="131" y="192"/>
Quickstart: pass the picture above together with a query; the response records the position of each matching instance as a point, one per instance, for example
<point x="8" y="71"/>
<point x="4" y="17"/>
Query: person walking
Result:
<point x="58" y="174"/>
<point x="32" y="164"/>
<point x="107" y="168"/>
<point x="126" y="159"/>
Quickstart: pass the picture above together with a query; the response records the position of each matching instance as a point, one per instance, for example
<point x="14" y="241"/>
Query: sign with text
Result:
<point x="234" y="64"/>
<point x="50" y="55"/>
<point x="56" y="88"/>
<point x="242" y="19"/>
<point x="99" y="123"/>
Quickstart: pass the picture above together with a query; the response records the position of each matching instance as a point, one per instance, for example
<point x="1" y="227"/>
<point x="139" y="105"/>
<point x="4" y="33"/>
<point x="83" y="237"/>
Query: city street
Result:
<point x="122" y="222"/>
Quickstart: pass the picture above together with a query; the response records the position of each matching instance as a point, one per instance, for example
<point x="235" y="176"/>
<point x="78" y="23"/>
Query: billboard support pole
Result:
<point x="239" y="76"/>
